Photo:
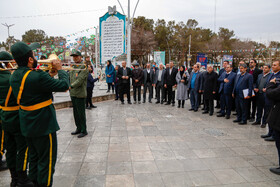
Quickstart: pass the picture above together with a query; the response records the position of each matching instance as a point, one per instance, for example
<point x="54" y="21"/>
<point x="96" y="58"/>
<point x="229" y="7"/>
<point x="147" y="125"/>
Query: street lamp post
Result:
<point x="129" y="27"/>
<point x="8" y="26"/>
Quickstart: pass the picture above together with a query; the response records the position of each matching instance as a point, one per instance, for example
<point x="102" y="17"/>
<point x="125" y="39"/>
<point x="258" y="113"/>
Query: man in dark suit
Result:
<point x="137" y="80"/>
<point x="253" y="70"/>
<point x="273" y="92"/>
<point x="159" y="81"/>
<point x="148" y="82"/>
<point x="209" y="88"/>
<point x="275" y="74"/>
<point x="225" y="63"/>
<point x="195" y="87"/>
<point x="243" y="83"/>
<point x="260" y="89"/>
<point x="124" y="75"/>
<point x="226" y="81"/>
<point x="170" y="83"/>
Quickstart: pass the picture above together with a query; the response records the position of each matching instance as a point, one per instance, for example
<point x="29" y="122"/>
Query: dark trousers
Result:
<point x="110" y="85"/>
<point x="241" y="108"/>
<point x="262" y="109"/>
<point x="79" y="110"/>
<point x="42" y="158"/>
<point x="165" y="94"/>
<point x="117" y="91"/>
<point x="124" y="88"/>
<point x="277" y="143"/>
<point x="149" y="86"/>
<point x="17" y="151"/>
<point x="226" y="103"/>
<point x="252" y="106"/>
<point x="89" y="97"/>
<point x="270" y="130"/>
<point x="2" y="136"/>
<point x="194" y="99"/>
<point x="209" y="105"/>
<point x="137" y="91"/>
<point x="171" y="94"/>
<point x="159" y="91"/>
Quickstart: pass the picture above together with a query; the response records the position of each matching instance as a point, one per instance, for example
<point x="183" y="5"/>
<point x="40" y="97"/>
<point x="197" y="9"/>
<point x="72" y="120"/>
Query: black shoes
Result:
<point x="191" y="109"/>
<point x="275" y="170"/>
<point x="129" y="102"/>
<point x="263" y="125"/>
<point x="3" y="165"/>
<point x="210" y="114"/>
<point x="195" y="110"/>
<point x="144" y="101"/>
<point x="265" y="136"/>
<point x="269" y="139"/>
<point x="83" y="134"/>
<point x="75" y="132"/>
<point x="205" y="112"/>
<point x="167" y="103"/>
<point x="242" y="123"/>
<point x="256" y="123"/>
<point x="23" y="180"/>
<point x="251" y="120"/>
<point x="122" y="103"/>
<point x="227" y="117"/>
<point x="236" y="121"/>
<point x="220" y="115"/>
<point x="88" y="107"/>
<point x="93" y="106"/>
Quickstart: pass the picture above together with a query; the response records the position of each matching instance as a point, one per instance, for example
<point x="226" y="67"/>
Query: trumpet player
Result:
<point x="78" y="94"/>
<point x="15" y="142"/>
<point x="33" y="92"/>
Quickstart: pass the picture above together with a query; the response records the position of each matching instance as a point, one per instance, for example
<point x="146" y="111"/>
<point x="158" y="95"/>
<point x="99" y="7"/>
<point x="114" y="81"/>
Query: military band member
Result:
<point x="15" y="143"/>
<point x="78" y="93"/>
<point x="33" y="91"/>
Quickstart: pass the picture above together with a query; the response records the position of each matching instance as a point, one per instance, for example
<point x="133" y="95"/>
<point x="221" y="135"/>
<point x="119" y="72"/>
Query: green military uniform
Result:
<point x="78" y="93"/>
<point x="33" y="90"/>
<point x="15" y="143"/>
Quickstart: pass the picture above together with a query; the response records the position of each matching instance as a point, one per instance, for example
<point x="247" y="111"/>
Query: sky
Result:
<point x="257" y="20"/>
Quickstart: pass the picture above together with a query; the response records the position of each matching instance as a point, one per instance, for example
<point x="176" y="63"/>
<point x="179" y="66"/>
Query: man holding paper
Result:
<point x="242" y="91"/>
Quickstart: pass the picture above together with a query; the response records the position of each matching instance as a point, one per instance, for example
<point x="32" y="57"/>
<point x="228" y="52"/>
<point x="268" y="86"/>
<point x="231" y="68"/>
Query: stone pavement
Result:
<point x="149" y="145"/>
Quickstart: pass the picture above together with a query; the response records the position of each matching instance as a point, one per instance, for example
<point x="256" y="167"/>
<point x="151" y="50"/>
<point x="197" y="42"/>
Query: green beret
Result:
<point x="76" y="53"/>
<point x="34" y="45"/>
<point x="20" y="49"/>
<point x="5" y="56"/>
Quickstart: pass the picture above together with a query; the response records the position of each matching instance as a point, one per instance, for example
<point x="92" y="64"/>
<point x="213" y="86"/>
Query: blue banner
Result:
<point x="202" y="58"/>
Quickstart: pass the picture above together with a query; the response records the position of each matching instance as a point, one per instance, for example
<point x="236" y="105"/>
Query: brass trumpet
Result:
<point x="46" y="65"/>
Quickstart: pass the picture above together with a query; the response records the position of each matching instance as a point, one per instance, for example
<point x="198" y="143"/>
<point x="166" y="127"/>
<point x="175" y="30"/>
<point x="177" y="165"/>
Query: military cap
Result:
<point x="5" y="56"/>
<point x="76" y="53"/>
<point x="34" y="45"/>
<point x="20" y="49"/>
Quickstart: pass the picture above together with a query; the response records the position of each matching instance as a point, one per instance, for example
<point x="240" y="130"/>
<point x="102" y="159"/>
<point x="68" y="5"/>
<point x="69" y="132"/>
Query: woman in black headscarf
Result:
<point x="182" y="78"/>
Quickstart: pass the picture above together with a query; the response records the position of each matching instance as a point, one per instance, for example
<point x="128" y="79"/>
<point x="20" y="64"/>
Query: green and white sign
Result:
<point x="159" y="57"/>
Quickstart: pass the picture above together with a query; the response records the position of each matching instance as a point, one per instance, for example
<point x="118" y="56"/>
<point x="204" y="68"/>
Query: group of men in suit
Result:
<point x="160" y="78"/>
<point x="243" y="90"/>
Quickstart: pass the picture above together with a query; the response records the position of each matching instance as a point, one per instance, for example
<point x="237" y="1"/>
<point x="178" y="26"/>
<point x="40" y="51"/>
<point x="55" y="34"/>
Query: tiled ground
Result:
<point x="151" y="145"/>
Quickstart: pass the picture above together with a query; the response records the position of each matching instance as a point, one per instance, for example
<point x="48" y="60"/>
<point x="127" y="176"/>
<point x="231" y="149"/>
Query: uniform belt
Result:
<point x="37" y="106"/>
<point x="9" y="108"/>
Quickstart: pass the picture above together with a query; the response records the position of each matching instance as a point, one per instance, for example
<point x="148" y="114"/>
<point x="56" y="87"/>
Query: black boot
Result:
<point x="179" y="103"/>
<point x="183" y="103"/>
<point x="3" y="165"/>
<point x="23" y="180"/>
<point x="14" y="177"/>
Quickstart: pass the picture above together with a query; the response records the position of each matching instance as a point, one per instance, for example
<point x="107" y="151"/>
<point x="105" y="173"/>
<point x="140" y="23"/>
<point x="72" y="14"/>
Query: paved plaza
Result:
<point x="149" y="145"/>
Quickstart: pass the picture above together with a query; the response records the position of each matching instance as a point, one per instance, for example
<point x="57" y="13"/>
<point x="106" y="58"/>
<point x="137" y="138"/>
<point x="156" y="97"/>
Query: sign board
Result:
<point x="202" y="58"/>
<point x="112" y="36"/>
<point x="228" y="58"/>
<point x="159" y="57"/>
